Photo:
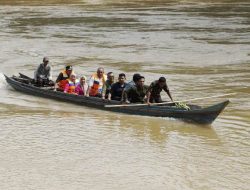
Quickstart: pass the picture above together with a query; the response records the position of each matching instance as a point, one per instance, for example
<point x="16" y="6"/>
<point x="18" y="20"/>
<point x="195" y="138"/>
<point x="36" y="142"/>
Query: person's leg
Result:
<point x="39" y="82"/>
<point x="51" y="83"/>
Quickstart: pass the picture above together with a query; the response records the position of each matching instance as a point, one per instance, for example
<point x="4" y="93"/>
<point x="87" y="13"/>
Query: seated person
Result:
<point x="138" y="93"/>
<point x="63" y="76"/>
<point x="82" y="87"/>
<point x="154" y="91"/>
<point x="42" y="75"/>
<point x="130" y="84"/>
<point x="118" y="87"/>
<point x="96" y="83"/>
<point x="71" y="84"/>
<point x="107" y="86"/>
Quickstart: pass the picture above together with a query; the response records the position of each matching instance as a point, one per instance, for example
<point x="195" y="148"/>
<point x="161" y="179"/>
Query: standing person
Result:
<point x="43" y="73"/>
<point x="71" y="84"/>
<point x="82" y="87"/>
<point x="63" y="76"/>
<point x="137" y="94"/>
<point x="155" y="89"/>
<point x="107" y="86"/>
<point x="96" y="83"/>
<point x="118" y="87"/>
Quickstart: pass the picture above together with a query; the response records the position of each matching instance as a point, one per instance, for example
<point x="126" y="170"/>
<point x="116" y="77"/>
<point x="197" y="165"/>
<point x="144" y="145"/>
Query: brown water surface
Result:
<point x="202" y="47"/>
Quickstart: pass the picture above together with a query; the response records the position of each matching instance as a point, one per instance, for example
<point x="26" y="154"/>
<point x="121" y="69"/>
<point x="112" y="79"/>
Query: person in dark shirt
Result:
<point x="118" y="87"/>
<point x="154" y="91"/>
<point x="137" y="94"/>
<point x="107" y="86"/>
<point x="129" y="85"/>
<point x="65" y="74"/>
<point x="132" y="83"/>
<point x="43" y="75"/>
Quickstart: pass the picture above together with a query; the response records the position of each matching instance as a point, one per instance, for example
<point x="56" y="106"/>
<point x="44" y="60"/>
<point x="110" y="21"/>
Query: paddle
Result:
<point x="165" y="103"/>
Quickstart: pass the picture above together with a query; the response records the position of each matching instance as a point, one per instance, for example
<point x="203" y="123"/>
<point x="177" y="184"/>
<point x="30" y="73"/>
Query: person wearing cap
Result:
<point x="138" y="93"/>
<point x="107" y="86"/>
<point x="154" y="91"/>
<point x="82" y="87"/>
<point x="71" y="84"/>
<point x="63" y="76"/>
<point x="96" y="82"/>
<point x="43" y="75"/>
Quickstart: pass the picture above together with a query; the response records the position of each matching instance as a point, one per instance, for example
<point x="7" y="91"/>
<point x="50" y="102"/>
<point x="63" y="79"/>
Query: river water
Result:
<point x="201" y="47"/>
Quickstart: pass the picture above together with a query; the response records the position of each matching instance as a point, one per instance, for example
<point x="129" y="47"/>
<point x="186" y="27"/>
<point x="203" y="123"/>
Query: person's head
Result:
<point x="72" y="77"/>
<point x="100" y="72"/>
<point x="122" y="78"/>
<point x="162" y="81"/>
<point x="140" y="81"/>
<point x="111" y="76"/>
<point x="69" y="69"/>
<point x="83" y="80"/>
<point x="45" y="61"/>
<point x="136" y="77"/>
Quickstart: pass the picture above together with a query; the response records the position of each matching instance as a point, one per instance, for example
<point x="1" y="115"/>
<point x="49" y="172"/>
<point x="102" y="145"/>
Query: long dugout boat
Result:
<point x="196" y="114"/>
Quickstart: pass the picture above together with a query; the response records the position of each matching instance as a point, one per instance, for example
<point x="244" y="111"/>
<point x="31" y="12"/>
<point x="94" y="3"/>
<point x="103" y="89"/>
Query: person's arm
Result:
<point x="59" y="78"/>
<point x="148" y="97"/>
<point x="49" y="73"/>
<point x="85" y="89"/>
<point x="126" y="95"/>
<point x="109" y="96"/>
<point x="111" y="92"/>
<point x="170" y="96"/>
<point x="37" y="71"/>
<point x="87" y="93"/>
<point x="148" y="94"/>
<point x="91" y="83"/>
<point x="123" y="96"/>
<point x="104" y="89"/>
<point x="166" y="89"/>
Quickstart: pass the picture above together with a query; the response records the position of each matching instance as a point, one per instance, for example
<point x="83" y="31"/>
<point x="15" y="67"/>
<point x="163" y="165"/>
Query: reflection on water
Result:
<point x="93" y="148"/>
<point x="203" y="50"/>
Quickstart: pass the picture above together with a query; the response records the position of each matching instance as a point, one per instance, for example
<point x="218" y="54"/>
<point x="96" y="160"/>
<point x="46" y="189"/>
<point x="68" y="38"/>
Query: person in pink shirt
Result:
<point x="82" y="87"/>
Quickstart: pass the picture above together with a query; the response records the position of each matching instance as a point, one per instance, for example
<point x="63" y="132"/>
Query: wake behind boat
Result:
<point x="195" y="114"/>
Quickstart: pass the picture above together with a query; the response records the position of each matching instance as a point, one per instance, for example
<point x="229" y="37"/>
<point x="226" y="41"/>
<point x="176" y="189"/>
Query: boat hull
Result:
<point x="196" y="114"/>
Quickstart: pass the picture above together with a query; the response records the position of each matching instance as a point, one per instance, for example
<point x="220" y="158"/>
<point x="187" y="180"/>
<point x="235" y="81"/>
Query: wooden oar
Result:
<point x="165" y="103"/>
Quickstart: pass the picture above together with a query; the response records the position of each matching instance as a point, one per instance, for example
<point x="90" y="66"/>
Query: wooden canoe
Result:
<point x="196" y="113"/>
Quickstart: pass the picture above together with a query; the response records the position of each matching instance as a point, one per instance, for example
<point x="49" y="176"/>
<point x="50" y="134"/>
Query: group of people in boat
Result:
<point x="102" y="85"/>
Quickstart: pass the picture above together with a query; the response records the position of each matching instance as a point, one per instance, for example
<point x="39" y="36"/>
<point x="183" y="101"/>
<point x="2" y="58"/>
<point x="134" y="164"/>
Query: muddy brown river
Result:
<point x="201" y="47"/>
